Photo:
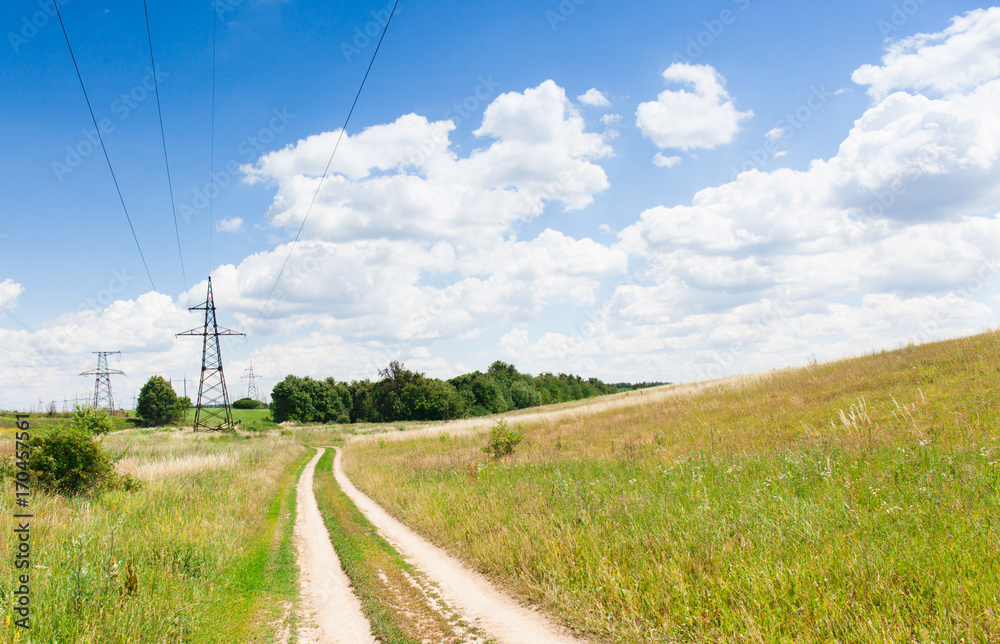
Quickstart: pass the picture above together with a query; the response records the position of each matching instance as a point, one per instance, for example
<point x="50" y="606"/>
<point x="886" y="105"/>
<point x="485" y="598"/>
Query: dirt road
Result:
<point x="331" y="612"/>
<point x="471" y="594"/>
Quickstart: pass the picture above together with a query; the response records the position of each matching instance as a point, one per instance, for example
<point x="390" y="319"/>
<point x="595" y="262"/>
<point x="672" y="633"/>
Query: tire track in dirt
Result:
<point x="475" y="598"/>
<point x="330" y="609"/>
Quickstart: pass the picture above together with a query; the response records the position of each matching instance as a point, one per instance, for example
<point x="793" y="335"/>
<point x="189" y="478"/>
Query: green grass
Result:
<point x="199" y="554"/>
<point x="248" y="416"/>
<point x="45" y="421"/>
<point x="852" y="502"/>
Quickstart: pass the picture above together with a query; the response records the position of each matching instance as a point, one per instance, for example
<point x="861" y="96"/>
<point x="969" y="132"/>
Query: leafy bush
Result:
<point x="92" y="421"/>
<point x="503" y="440"/>
<point x="69" y="461"/>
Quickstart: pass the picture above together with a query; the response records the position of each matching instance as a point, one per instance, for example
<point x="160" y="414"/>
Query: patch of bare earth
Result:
<point x="330" y="613"/>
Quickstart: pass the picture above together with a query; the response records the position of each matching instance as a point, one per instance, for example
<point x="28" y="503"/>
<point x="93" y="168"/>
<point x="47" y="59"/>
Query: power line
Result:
<point x="211" y="170"/>
<point x="30" y="330"/>
<point x="163" y="138"/>
<point x="319" y="186"/>
<point x="104" y="148"/>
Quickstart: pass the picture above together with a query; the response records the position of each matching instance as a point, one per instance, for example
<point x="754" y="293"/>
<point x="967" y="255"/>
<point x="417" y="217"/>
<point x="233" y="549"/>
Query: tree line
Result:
<point x="401" y="394"/>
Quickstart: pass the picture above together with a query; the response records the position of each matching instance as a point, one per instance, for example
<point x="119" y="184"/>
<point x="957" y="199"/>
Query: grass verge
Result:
<point x="857" y="501"/>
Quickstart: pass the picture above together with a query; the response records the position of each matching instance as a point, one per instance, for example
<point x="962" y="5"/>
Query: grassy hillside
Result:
<point x="857" y="501"/>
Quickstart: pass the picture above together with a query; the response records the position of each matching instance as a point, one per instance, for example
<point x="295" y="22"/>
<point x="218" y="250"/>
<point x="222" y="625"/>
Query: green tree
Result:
<point x="363" y="401"/>
<point x="524" y="395"/>
<point x="430" y="399"/>
<point x="483" y="394"/>
<point x="290" y="400"/>
<point x="183" y="405"/>
<point x="306" y="400"/>
<point x="326" y="401"/>
<point x="158" y="403"/>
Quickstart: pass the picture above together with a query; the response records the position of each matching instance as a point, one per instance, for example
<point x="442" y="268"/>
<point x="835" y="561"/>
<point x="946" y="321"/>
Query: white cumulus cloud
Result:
<point x="665" y="161"/>
<point x="961" y="57"/>
<point x="699" y="115"/>
<point x="594" y="98"/>
<point x="408" y="240"/>
<point x="9" y="290"/>
<point x="229" y="225"/>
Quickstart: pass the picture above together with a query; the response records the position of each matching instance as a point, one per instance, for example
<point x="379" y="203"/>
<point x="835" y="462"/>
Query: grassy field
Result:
<point x="857" y="501"/>
<point x="201" y="553"/>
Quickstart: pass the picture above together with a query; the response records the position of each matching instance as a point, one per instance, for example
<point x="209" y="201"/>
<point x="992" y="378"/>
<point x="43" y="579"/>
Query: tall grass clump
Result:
<point x="857" y="501"/>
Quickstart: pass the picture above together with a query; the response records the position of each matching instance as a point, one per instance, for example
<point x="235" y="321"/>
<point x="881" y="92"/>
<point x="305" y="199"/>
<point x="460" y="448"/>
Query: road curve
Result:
<point x="332" y="614"/>
<point x="471" y="594"/>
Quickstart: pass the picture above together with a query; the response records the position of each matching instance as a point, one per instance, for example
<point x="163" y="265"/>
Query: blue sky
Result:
<point x="632" y="191"/>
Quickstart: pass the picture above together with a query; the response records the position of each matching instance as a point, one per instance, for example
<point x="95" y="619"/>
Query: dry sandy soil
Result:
<point x="331" y="614"/>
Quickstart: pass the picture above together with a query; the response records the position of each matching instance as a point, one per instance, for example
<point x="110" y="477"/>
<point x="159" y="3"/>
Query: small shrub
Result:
<point x="503" y="440"/>
<point x="68" y="461"/>
<point x="92" y="421"/>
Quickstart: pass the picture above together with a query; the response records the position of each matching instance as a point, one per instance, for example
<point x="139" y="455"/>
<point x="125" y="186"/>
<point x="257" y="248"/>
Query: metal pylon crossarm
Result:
<point x="213" y="412"/>
<point x="103" y="399"/>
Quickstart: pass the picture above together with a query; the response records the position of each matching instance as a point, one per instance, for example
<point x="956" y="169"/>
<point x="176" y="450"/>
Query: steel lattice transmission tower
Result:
<point x="248" y="374"/>
<point x="213" y="412"/>
<point x="102" y="386"/>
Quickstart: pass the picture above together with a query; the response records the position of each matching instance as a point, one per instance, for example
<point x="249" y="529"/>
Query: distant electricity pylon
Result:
<point x="213" y="412"/>
<point x="102" y="386"/>
<point x="248" y="374"/>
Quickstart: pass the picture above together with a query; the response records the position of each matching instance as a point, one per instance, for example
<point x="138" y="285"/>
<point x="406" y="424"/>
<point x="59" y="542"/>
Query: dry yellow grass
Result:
<point x="857" y="501"/>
